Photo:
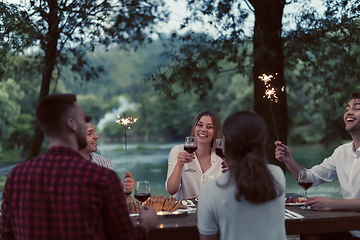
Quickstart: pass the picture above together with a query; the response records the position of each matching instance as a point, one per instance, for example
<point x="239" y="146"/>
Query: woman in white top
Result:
<point x="184" y="184"/>
<point x="247" y="202"/>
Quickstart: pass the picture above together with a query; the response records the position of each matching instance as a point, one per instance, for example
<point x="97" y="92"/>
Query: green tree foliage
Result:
<point x="161" y="117"/>
<point x="165" y="119"/>
<point x="91" y="105"/>
<point x="61" y="26"/>
<point x="13" y="25"/>
<point x="25" y="72"/>
<point x="320" y="71"/>
<point x="10" y="96"/>
<point x="22" y="132"/>
<point x="324" y="51"/>
<point x="196" y="64"/>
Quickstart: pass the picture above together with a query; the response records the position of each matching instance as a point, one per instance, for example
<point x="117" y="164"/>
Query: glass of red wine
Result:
<point x="190" y="146"/>
<point x="305" y="181"/>
<point x="142" y="191"/>
<point x="218" y="148"/>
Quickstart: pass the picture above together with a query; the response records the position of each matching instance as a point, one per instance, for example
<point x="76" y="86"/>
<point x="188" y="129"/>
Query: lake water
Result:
<point x="149" y="162"/>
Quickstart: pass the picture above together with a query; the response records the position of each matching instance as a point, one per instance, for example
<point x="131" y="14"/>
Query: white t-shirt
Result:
<point x="191" y="181"/>
<point x="343" y="164"/>
<point x="218" y="211"/>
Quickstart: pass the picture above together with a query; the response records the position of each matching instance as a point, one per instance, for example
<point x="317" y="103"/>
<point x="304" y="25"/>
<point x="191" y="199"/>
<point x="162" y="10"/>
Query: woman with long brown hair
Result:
<point x="247" y="202"/>
<point x="204" y="163"/>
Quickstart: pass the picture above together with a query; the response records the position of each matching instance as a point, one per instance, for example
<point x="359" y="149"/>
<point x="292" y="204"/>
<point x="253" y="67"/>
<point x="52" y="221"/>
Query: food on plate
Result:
<point x="295" y="200"/>
<point x="162" y="203"/>
<point x="159" y="202"/>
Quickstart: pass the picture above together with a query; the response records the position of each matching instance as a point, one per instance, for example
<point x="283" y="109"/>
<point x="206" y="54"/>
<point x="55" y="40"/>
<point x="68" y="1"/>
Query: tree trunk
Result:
<point x="51" y="52"/>
<point x="268" y="59"/>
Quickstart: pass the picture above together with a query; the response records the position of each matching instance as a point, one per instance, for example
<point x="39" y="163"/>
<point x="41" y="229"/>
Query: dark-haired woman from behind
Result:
<point x="247" y="202"/>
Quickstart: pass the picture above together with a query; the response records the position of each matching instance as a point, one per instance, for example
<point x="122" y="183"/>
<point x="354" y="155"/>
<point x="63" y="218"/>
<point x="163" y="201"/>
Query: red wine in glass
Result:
<point x="190" y="149"/>
<point x="142" y="191"/>
<point x="219" y="147"/>
<point x="305" y="185"/>
<point x="305" y="181"/>
<point x="190" y="146"/>
<point x="142" y="197"/>
<point x="219" y="152"/>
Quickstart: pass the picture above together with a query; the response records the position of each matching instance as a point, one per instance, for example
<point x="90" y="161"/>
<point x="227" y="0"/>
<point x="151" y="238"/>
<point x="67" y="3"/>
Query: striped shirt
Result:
<point x="101" y="161"/>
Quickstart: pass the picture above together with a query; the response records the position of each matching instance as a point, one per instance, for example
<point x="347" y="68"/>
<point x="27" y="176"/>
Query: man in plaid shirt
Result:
<point x="61" y="195"/>
<point x="89" y="154"/>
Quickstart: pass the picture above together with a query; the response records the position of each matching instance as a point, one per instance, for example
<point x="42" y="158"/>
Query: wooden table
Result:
<point x="317" y="222"/>
<point x="309" y="228"/>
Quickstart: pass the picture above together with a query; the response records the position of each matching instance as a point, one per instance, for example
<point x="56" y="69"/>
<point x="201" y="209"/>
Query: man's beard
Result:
<point x="81" y="140"/>
<point x="82" y="143"/>
<point x="353" y="129"/>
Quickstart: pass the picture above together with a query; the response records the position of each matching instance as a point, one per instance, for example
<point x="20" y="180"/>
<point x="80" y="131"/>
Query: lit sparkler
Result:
<point x="270" y="93"/>
<point x="126" y="121"/>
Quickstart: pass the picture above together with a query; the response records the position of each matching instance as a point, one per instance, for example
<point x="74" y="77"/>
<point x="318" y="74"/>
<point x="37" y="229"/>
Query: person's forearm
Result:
<point x="346" y="204"/>
<point x="173" y="182"/>
<point x="293" y="167"/>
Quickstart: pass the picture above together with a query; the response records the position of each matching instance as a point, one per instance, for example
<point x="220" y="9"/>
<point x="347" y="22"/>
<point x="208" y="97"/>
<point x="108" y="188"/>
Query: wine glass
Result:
<point x="142" y="191"/>
<point x="218" y="148"/>
<point x="219" y="151"/>
<point x="190" y="146"/>
<point x="305" y="181"/>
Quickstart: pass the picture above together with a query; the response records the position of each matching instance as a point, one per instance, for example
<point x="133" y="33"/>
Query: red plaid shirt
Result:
<point x="60" y="195"/>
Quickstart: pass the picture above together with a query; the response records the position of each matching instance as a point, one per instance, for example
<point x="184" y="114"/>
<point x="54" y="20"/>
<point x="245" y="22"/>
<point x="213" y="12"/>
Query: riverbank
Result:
<point x="149" y="162"/>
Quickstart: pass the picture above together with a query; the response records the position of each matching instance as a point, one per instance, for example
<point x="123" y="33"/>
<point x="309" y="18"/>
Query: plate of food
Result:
<point x="162" y="204"/>
<point x="295" y="201"/>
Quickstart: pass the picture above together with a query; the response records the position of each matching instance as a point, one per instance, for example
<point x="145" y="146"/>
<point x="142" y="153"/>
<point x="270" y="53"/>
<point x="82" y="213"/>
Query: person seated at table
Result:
<point x="89" y="154"/>
<point x="343" y="165"/>
<point x="181" y="182"/>
<point x="246" y="202"/>
<point x="60" y="195"/>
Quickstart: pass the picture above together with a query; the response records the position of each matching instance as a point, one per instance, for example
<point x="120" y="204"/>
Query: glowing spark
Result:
<point x="270" y="93"/>
<point x="126" y="121"/>
<point x="266" y="78"/>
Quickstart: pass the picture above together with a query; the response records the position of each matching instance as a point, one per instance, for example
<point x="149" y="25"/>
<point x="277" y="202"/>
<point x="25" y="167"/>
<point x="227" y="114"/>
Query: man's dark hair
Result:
<point x="51" y="111"/>
<point x="88" y="119"/>
<point x="355" y="95"/>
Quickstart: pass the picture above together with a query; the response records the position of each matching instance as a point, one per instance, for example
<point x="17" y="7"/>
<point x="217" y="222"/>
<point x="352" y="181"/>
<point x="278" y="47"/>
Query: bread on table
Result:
<point x="159" y="203"/>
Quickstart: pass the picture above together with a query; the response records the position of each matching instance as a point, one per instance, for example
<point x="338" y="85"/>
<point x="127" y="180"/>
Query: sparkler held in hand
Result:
<point x="270" y="93"/>
<point x="126" y="121"/>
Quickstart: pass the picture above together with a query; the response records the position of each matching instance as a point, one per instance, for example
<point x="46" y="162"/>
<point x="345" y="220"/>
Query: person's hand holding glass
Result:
<point x="190" y="146"/>
<point x="305" y="181"/>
